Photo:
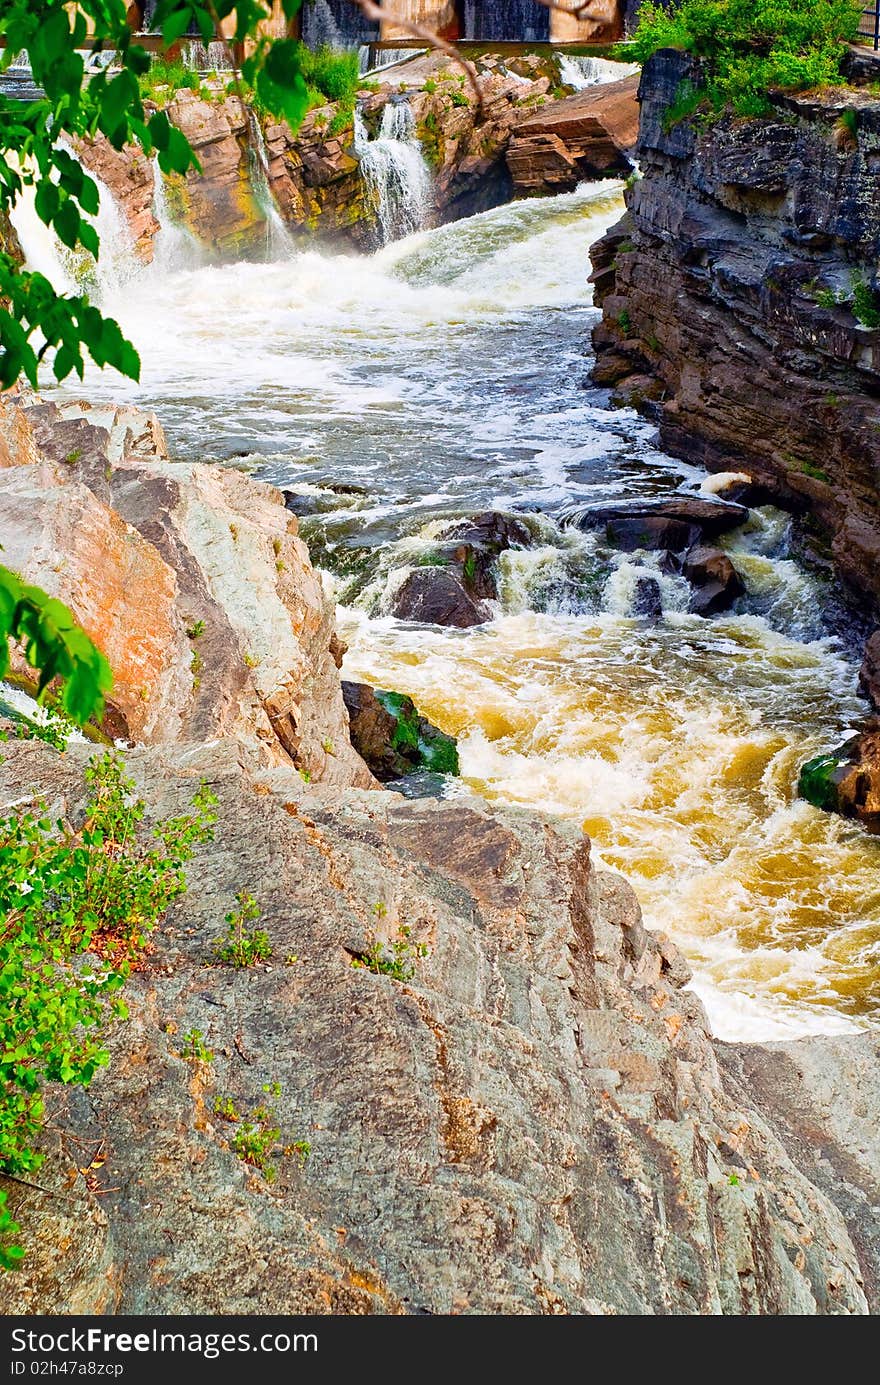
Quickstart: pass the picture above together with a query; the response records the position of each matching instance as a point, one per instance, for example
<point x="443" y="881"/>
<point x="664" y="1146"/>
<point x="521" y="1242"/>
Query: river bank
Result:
<point x="544" y="1082"/>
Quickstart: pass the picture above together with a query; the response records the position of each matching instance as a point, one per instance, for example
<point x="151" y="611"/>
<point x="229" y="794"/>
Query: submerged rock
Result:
<point x="392" y="737"/>
<point x="647" y="600"/>
<point x="435" y="595"/>
<point x="533" y="1122"/>
<point x="715" y="578"/>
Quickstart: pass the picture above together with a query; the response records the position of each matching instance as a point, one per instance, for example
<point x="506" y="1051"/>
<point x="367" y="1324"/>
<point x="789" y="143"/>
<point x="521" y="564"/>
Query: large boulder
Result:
<point x="847" y="780"/>
<point x="869" y="673"/>
<point x="392" y="738"/>
<point x="715" y="580"/>
<point x="526" y="1115"/>
<point x="674" y="524"/>
<point x="193" y="581"/>
<point x="437" y="595"/>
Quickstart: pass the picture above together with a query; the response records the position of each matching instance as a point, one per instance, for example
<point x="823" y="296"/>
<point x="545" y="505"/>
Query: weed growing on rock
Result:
<point x="196" y="629"/>
<point x="865" y="308"/>
<point x="77" y="905"/>
<point x="54" y="730"/>
<point x="258" y="1138"/>
<point x="195" y="1049"/>
<point x="243" y="946"/>
<point x="396" y="959"/>
<point x="11" y="1253"/>
<point x="224" y="1106"/>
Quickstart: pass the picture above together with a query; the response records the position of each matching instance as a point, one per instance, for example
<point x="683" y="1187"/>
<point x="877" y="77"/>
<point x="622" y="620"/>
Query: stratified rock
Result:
<point x="392" y="738"/>
<point x="674" y="524"/>
<point x="715" y="578"/>
<point x="580" y="137"/>
<point x="533" y="1122"/>
<point x="869" y="673"/>
<point x="821" y="1095"/>
<point x="723" y="282"/>
<point x="437" y="595"/>
<point x="192" y="580"/>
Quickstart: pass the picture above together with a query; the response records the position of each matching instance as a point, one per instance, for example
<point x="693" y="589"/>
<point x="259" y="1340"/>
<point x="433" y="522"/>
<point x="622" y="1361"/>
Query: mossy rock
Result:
<point x="393" y="738"/>
<point x="818" y="781"/>
<point x="416" y="738"/>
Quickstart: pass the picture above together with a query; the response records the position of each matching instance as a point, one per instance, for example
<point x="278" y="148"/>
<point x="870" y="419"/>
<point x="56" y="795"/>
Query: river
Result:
<point x="449" y="373"/>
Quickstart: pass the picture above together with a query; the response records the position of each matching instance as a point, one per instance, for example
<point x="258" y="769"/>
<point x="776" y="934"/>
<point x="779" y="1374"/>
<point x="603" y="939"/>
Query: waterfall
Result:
<point x="278" y="240"/>
<point x="174" y="247"/>
<point x="581" y="72"/>
<point x="384" y="57"/>
<point x="69" y="271"/>
<point x="215" y="57"/>
<point x="393" y="168"/>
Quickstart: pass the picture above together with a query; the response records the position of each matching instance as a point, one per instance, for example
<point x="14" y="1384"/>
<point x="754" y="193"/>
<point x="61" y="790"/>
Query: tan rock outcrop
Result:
<point x="193" y="581"/>
<point x="584" y="135"/>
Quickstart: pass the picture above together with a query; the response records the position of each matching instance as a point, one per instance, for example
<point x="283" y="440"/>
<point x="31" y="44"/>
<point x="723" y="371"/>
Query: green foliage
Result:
<point x="195" y="1049"/>
<point x="195" y="630"/>
<point x="36" y="322"/>
<point x="259" y="1135"/>
<point x="825" y="298"/>
<point x="54" y="730"/>
<point x="77" y="905"/>
<point x="430" y="85"/>
<point x="864" y="303"/>
<point x="333" y="74"/>
<point x="750" y="47"/>
<point x="54" y="644"/>
<point x="243" y="946"/>
<point x="11" y="1253"/>
<point x="817" y="782"/>
<point x="458" y="98"/>
<point x="397" y="960"/>
<point x="624" y="322"/>
<point x="164" y="78"/>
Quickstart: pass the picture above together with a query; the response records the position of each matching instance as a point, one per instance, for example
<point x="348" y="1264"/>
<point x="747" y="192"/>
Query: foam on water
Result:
<point x="448" y="373"/>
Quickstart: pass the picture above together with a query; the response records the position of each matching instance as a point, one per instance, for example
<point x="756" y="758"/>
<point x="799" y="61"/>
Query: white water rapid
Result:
<point x="584" y="71"/>
<point x="449" y="373"/>
<point x="396" y="177"/>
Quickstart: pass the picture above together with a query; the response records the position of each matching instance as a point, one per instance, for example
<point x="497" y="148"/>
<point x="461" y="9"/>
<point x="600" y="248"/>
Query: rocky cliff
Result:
<point x="251" y="172"/>
<point x="739" y="306"/>
<point x="529" y="1119"/>
<point x="190" y="578"/>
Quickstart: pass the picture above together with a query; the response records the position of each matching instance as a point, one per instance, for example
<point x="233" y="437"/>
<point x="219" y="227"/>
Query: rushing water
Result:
<point x="396" y="177"/>
<point x="449" y="372"/>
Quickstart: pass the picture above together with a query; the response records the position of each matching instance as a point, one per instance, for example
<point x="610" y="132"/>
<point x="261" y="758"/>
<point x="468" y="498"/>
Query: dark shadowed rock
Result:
<point x="392" y="737"/>
<point x="716" y="580"/>
<point x="533" y="1122"/>
<point x="473" y="545"/>
<point x="724" y="282"/>
<point x="437" y="596"/>
<point x="869" y="673"/>
<point x="647" y="601"/>
<point x="674" y="524"/>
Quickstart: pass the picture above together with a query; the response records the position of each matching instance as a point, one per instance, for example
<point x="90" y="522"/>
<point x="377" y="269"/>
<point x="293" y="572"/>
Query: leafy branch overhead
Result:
<point x="79" y="104"/>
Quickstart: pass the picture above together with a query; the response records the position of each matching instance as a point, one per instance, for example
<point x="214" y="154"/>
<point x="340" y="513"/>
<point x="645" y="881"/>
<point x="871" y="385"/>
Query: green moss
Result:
<point x="818" y="779"/>
<point x="429" y="748"/>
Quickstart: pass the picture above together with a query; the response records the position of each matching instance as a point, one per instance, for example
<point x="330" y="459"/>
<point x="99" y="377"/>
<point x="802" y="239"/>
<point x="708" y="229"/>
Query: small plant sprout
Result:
<point x="196" y="629"/>
<point x="327" y="746"/>
<point x="225" y="1107"/>
<point x="258" y="1137"/>
<point x="251" y="661"/>
<point x="396" y="960"/>
<point x="195" y="1049"/>
<point x="300" y="1150"/>
<point x="276" y="547"/>
<point x="243" y="946"/>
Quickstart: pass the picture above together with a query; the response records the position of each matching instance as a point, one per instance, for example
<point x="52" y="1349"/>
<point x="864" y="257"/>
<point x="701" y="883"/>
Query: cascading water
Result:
<point x="384" y="57"/>
<point x="174" y="247"/>
<point x="71" y="270"/>
<point x="278" y="239"/>
<point x="396" y="178"/>
<point x="583" y="71"/>
<point x="446" y="374"/>
<point x="212" y="57"/>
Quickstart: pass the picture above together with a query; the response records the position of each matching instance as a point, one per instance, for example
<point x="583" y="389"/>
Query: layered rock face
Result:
<point x="577" y="138"/>
<point x="190" y="578"/>
<point x="719" y="292"/>
<point x="530" y="1119"/>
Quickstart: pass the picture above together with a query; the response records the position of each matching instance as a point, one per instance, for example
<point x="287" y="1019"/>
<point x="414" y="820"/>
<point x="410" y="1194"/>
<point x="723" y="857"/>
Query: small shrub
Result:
<point x="458" y="98"/>
<point x="11" y="1253"/>
<point x="54" y="729"/>
<point x="750" y="47"/>
<point x="398" y="960"/>
<point x="164" y="78"/>
<point x="430" y="86"/>
<point x="243" y="946"/>
<point x="77" y="905"/>
<point x="865" y="308"/>
<point x="195" y="1049"/>
<point x="224" y="1106"/>
<point x="259" y="1136"/>
<point x="196" y="629"/>
<point x="624" y="322"/>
